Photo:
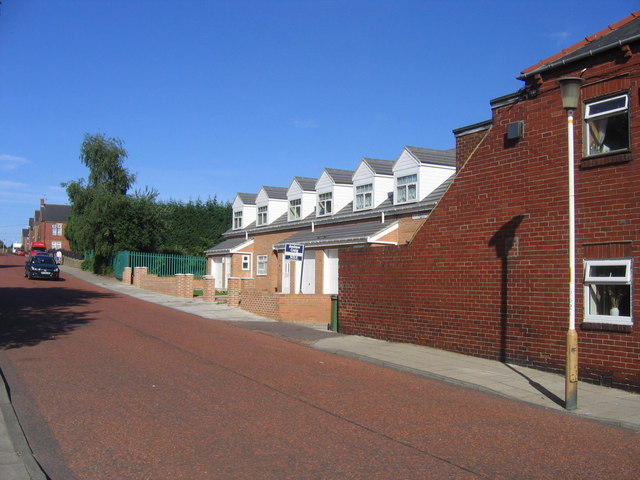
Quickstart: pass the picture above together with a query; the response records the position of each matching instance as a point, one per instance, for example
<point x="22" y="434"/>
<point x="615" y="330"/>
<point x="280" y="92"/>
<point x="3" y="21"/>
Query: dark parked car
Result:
<point x="41" y="266"/>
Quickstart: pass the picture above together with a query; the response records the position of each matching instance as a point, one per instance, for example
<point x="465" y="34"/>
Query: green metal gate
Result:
<point x="159" y="264"/>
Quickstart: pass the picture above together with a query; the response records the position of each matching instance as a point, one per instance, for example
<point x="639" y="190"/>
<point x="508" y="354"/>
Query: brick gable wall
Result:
<point x="487" y="274"/>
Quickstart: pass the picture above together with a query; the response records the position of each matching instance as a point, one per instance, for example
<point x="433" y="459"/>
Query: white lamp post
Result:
<point x="570" y="92"/>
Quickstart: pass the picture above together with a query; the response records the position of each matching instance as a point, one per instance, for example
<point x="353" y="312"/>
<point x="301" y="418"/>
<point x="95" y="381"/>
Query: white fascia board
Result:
<point x="242" y="246"/>
<point x="375" y="237"/>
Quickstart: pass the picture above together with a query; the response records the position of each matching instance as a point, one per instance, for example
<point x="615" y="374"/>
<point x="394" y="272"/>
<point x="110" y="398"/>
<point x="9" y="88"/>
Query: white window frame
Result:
<point x="325" y="204"/>
<point x="263" y="217"/>
<point x="261" y="265"/>
<point x="403" y="190"/>
<point x="594" y="285"/>
<point x="56" y="229"/>
<point x="364" y="197"/>
<point x="246" y="262"/>
<point x="295" y="209"/>
<point x="237" y="220"/>
<point x="56" y="245"/>
<point x="592" y="114"/>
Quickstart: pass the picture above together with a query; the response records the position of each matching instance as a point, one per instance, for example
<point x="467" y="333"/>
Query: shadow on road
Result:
<point x="32" y="315"/>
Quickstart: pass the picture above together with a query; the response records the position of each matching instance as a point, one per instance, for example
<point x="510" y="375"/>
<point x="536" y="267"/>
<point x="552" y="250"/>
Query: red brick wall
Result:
<point x="487" y="274"/>
<point x="287" y="308"/>
<point x="260" y="302"/>
<point x="305" y="308"/>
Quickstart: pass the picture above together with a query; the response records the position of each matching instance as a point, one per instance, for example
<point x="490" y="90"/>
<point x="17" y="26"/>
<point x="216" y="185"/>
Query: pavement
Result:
<point x="533" y="387"/>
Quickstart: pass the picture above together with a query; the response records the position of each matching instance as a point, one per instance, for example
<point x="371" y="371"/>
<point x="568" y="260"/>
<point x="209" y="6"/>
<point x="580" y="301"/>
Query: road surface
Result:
<point x="109" y="387"/>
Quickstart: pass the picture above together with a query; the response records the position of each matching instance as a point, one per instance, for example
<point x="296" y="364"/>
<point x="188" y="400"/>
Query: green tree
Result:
<point x="105" y="159"/>
<point x="195" y="226"/>
<point x="103" y="217"/>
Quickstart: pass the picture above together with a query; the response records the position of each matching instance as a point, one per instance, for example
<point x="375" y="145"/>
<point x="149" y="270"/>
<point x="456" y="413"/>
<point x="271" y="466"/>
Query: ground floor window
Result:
<point x="56" y="245"/>
<point x="246" y="262"/>
<point x="262" y="265"/>
<point x="607" y="291"/>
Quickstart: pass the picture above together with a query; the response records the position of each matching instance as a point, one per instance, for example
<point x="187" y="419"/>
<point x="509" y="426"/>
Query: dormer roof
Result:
<point x="379" y="167"/>
<point x="275" y="193"/>
<point x="306" y="184"/>
<point x="247" y="198"/>
<point x="339" y="177"/>
<point x="433" y="157"/>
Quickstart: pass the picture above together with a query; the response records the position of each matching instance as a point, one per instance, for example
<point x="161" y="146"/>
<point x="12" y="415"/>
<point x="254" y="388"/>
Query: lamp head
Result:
<point x="570" y="91"/>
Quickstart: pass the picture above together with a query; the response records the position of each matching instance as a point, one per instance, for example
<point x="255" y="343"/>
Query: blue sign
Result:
<point x="293" y="251"/>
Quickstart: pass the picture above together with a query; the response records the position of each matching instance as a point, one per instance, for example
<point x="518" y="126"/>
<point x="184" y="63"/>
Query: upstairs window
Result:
<point x="607" y="128"/>
<point x="364" y="196"/>
<point x="607" y="291"/>
<point x="237" y="220"/>
<point x="262" y="216"/>
<point x="295" y="209"/>
<point x="325" y="203"/>
<point x="407" y="189"/>
<point x="56" y="229"/>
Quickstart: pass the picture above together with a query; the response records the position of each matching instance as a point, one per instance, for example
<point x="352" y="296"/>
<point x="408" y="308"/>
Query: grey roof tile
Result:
<point x="226" y="246"/>
<point x="351" y="234"/>
<point x="55" y="213"/>
<point x="248" y="198"/>
<point x="434" y="157"/>
<point x="380" y="167"/>
<point x="340" y="177"/>
<point x="307" y="184"/>
<point x="276" y="193"/>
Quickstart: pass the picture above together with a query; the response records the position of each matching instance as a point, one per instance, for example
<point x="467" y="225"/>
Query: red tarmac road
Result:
<point x="109" y="387"/>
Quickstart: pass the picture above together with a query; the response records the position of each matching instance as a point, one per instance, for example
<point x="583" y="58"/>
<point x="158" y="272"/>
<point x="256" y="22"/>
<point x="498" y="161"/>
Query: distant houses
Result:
<point x="48" y="225"/>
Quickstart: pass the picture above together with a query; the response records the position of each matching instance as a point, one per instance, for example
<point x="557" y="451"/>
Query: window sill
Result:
<point x="603" y="159"/>
<point x="607" y="327"/>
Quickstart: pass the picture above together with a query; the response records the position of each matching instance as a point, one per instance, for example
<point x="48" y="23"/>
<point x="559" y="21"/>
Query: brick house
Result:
<point x="382" y="202"/>
<point x="487" y="274"/>
<point x="48" y="225"/>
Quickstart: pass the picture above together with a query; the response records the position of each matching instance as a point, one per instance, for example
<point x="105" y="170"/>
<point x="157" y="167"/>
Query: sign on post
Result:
<point x="293" y="251"/>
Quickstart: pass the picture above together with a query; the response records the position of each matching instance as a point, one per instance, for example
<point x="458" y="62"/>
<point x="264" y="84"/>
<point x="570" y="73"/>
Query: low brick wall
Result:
<point x="301" y="308"/>
<point x="166" y="285"/>
<point x="305" y="308"/>
<point x="260" y="303"/>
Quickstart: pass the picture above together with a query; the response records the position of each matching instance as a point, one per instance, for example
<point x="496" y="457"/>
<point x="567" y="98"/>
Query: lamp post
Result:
<point x="570" y="92"/>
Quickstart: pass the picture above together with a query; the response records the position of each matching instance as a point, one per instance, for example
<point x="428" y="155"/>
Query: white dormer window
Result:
<point x="262" y="216"/>
<point x="295" y="209"/>
<point x="407" y="189"/>
<point x="364" y="196"/>
<point x="325" y="203"/>
<point x="237" y="220"/>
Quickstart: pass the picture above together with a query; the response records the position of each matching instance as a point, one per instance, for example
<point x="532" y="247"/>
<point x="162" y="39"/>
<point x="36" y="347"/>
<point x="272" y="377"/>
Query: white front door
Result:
<point x="309" y="272"/>
<point x="330" y="273"/>
<point x="217" y="271"/>
<point x="286" y="276"/>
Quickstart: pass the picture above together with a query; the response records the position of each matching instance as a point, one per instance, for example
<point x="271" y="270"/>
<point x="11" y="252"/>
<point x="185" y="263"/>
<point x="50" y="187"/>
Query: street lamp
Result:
<point x="570" y="92"/>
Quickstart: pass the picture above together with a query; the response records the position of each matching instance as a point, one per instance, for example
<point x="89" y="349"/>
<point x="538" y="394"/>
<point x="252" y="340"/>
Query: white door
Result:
<point x="309" y="272"/>
<point x="217" y="271"/>
<point x="330" y="273"/>
<point x="227" y="271"/>
<point x="286" y="276"/>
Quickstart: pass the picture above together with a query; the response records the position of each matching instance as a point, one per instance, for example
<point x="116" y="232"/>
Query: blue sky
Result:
<point x="212" y="98"/>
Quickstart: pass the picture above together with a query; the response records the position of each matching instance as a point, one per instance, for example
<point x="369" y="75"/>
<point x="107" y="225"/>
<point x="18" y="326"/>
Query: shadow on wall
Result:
<point x="506" y="244"/>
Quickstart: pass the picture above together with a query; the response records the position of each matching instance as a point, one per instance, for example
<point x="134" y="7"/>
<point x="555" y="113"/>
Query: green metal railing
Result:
<point x="159" y="264"/>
